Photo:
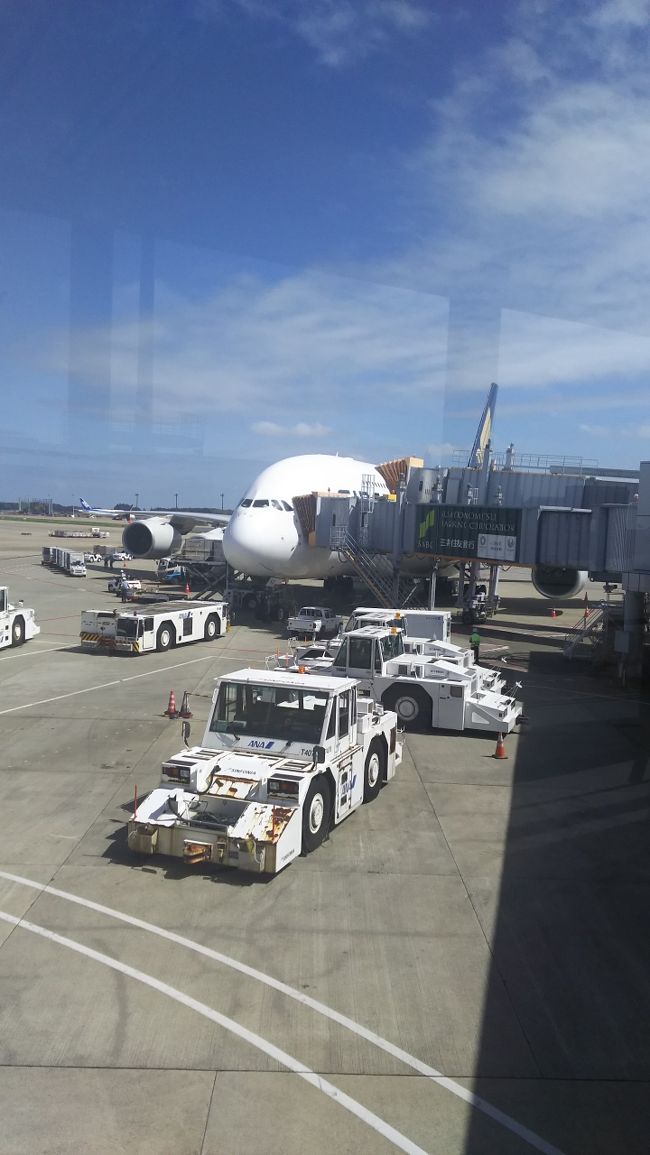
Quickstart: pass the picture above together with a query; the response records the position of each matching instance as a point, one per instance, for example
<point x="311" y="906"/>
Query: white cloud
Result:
<point x="532" y="186"/>
<point x="440" y="452"/>
<point x="339" y="32"/>
<point x="300" y="429"/>
<point x="296" y="347"/>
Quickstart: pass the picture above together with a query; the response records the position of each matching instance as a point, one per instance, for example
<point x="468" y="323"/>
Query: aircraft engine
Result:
<point x="151" y="537"/>
<point x="556" y="582"/>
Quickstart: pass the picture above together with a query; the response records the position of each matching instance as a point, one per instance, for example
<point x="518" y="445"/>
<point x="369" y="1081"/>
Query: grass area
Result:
<point x="67" y="522"/>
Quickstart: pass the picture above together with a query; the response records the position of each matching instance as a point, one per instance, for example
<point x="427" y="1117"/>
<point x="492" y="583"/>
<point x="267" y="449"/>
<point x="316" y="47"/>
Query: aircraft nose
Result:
<point x="252" y="548"/>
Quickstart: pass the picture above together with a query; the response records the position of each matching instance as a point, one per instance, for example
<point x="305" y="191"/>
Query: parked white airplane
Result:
<point x="263" y="537"/>
<point x="116" y="514"/>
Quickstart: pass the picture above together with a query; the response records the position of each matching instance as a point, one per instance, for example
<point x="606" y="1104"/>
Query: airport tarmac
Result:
<point x="460" y="969"/>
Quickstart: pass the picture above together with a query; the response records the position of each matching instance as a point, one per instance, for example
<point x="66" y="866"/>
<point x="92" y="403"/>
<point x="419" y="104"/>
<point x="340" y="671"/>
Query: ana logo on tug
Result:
<point x="260" y="744"/>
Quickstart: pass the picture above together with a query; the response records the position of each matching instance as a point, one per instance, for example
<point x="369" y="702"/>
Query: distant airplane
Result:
<point x="116" y="514"/>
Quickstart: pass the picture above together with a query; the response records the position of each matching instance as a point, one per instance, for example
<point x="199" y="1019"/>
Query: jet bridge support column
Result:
<point x="493" y="587"/>
<point x="629" y="641"/>
<point x="432" y="586"/>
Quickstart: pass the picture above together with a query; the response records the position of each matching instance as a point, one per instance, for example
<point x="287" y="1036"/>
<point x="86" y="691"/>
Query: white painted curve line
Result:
<point x="384" y="1129"/>
<point x="533" y="1140"/>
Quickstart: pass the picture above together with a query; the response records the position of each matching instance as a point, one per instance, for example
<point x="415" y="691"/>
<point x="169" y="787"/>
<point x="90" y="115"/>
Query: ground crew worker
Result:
<point x="475" y="643"/>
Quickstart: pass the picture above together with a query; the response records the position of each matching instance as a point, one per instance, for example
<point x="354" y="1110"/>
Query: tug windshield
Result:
<point x="281" y="713"/>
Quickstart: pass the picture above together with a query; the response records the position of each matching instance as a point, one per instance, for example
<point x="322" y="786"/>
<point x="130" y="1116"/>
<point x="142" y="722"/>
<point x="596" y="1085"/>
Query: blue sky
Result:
<point x="232" y="230"/>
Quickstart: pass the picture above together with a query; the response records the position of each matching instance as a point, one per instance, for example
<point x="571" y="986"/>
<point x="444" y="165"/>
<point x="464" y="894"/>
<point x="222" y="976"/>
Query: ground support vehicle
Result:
<point x="68" y="560"/>
<point x="424" y="690"/>
<point x="139" y="629"/>
<point x="314" y="622"/>
<point x="430" y="624"/>
<point x="122" y="585"/>
<point x="284" y="758"/>
<point x="17" y="624"/>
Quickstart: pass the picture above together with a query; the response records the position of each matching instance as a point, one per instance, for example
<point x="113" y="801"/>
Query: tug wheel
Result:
<point x="374" y="771"/>
<point x="316" y="814"/>
<point x="18" y="632"/>
<point x="411" y="704"/>
<point x="164" y="637"/>
<point x="211" y="628"/>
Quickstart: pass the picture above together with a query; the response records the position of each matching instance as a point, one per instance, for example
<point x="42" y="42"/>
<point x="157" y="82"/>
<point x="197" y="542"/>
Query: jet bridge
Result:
<point x="563" y="525"/>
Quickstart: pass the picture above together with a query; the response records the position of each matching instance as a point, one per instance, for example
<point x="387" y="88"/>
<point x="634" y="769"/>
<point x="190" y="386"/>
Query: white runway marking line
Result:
<point x="33" y="653"/>
<point x="105" y="685"/>
<point x="384" y="1129"/>
<point x="533" y="1140"/>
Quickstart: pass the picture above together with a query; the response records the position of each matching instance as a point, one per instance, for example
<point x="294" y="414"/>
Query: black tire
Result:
<point x="211" y="628"/>
<point x="374" y="771"/>
<point x="316" y="814"/>
<point x="18" y="632"/>
<point x="165" y="637"/>
<point x="411" y="704"/>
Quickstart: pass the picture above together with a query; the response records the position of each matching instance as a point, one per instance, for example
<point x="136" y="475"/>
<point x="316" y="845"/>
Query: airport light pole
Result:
<point x="221" y="496"/>
<point x="136" y="500"/>
<point x="175" y="501"/>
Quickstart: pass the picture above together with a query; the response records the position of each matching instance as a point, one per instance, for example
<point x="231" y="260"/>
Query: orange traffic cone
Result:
<point x="185" y="706"/>
<point x="553" y="612"/>
<point x="500" y="751"/>
<point x="171" y="710"/>
<point x="187" y="587"/>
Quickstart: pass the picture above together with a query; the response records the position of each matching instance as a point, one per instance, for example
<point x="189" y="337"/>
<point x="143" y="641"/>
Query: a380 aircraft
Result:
<point x="263" y="536"/>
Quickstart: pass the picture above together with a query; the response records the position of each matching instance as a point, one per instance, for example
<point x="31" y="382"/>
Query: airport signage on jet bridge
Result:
<point x="473" y="531"/>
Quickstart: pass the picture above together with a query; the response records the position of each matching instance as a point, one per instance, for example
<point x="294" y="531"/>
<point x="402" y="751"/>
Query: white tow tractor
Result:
<point x="425" y="690"/>
<point x="142" y="628"/>
<point x="17" y="624"/>
<point x="284" y="758"/>
<point x="431" y="624"/>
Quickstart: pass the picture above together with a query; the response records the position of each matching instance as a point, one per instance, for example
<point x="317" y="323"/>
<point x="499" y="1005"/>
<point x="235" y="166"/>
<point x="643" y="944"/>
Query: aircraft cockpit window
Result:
<point x="260" y="502"/>
<point x="288" y="507"/>
<point x="246" y="502"/>
<point x="275" y="504"/>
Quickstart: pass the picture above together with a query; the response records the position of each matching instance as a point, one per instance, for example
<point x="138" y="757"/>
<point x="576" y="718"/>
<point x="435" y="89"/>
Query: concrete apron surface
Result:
<point x="458" y="969"/>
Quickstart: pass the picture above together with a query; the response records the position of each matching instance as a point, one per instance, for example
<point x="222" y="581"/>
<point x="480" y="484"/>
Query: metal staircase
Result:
<point x="363" y="564"/>
<point x="586" y="634"/>
<point x="375" y="570"/>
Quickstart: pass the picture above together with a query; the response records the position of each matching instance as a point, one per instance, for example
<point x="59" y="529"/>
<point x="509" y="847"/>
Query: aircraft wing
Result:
<point x="183" y="520"/>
